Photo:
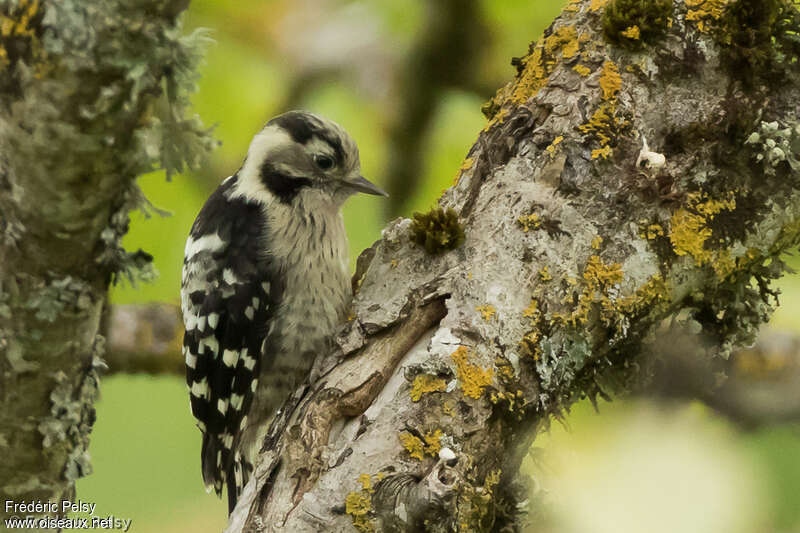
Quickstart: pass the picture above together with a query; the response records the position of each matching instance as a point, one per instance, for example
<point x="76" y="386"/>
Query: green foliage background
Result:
<point x="145" y="447"/>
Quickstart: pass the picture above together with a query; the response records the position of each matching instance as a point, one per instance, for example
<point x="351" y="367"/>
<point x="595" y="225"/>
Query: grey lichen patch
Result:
<point x="65" y="412"/>
<point x="135" y="121"/>
<point x="777" y="144"/>
<point x="155" y="57"/>
<point x="562" y="357"/>
<point x="72" y="415"/>
<point x="32" y="484"/>
<point x="79" y="464"/>
<point x="16" y="357"/>
<point x="60" y="297"/>
<point x="5" y="310"/>
<point x="132" y="266"/>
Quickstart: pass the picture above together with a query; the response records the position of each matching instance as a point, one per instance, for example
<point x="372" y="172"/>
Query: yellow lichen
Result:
<point x="604" y="152"/>
<point x="393" y="263"/>
<point x="583" y="70"/>
<point x="505" y="370"/>
<point x="16" y="24"/>
<point x="705" y="12"/>
<point x="632" y="33"/>
<point x="646" y="298"/>
<point x="486" y="311"/>
<point x="551" y="148"/>
<point x="597" y="5"/>
<point x="473" y="507"/>
<point x="413" y="445"/>
<point x="603" y="125"/>
<point x="425" y="383"/>
<point x="472" y="377"/>
<point x="610" y="80"/>
<point x="544" y="274"/>
<point x="417" y="448"/>
<point x="597" y="242"/>
<point x="497" y="119"/>
<point x="689" y="230"/>
<point x="433" y="442"/>
<point x="529" y="345"/>
<point x="599" y="274"/>
<point x="529" y="222"/>
<point x="465" y="166"/>
<point x="724" y="264"/>
<point x="532" y="311"/>
<point x="533" y="77"/>
<point x="564" y="38"/>
<point x="538" y="65"/>
<point x="358" y="504"/>
<point x="601" y="281"/>
<point x="515" y="400"/>
<point x="600" y="124"/>
<point x="652" y="232"/>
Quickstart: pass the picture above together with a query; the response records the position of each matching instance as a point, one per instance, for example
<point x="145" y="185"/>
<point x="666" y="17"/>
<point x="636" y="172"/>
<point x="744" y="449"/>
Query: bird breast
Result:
<point x="312" y="258"/>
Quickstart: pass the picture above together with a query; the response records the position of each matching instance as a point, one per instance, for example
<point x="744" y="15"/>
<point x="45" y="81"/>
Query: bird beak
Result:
<point x="361" y="184"/>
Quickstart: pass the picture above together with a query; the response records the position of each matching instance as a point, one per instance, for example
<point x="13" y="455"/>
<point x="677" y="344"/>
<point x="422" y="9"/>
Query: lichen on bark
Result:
<point x="91" y="95"/>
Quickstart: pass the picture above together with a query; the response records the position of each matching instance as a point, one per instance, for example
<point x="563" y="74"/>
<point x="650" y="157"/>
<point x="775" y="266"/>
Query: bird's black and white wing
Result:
<point x="228" y="294"/>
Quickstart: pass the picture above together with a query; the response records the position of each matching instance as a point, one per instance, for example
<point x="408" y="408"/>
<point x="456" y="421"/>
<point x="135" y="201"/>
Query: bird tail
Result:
<point x="238" y="472"/>
<point x="211" y="460"/>
<point x="223" y="467"/>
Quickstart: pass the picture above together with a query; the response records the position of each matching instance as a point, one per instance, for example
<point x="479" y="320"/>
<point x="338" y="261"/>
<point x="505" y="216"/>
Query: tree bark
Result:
<point x="91" y="95"/>
<point x="636" y="170"/>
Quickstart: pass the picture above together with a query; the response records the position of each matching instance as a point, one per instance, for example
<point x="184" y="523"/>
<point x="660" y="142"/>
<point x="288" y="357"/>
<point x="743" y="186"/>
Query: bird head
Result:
<point x="299" y="153"/>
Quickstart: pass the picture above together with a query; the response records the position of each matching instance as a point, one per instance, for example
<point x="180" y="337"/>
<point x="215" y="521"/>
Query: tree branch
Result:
<point x="144" y="339"/>
<point x="754" y="387"/>
<point x="580" y="239"/>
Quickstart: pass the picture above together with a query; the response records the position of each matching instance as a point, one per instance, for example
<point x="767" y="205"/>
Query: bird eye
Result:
<point x="324" y="162"/>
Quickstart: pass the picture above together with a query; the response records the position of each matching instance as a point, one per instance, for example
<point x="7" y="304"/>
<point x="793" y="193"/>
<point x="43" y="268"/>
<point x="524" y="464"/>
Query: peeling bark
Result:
<point x="91" y="95"/>
<point x="581" y="239"/>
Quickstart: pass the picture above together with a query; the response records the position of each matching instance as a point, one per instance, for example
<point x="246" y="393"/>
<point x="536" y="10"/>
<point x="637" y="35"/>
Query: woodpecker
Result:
<point x="265" y="285"/>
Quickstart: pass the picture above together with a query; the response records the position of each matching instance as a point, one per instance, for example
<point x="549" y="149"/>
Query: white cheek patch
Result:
<point x="249" y="183"/>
